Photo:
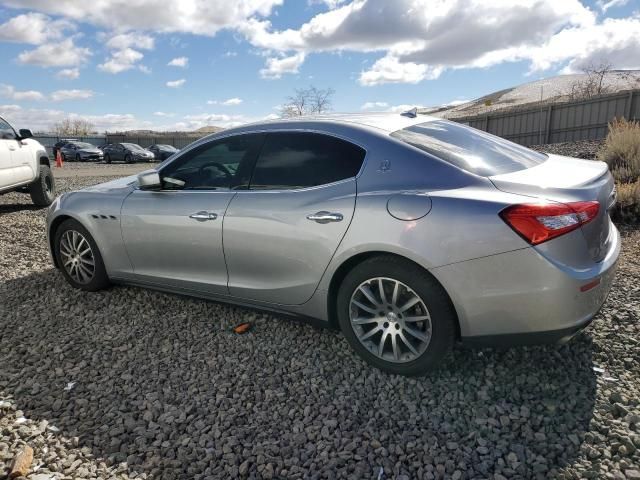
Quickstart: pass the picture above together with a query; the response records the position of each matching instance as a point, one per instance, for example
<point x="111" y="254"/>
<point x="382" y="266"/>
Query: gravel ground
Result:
<point x="130" y="383"/>
<point x="586" y="149"/>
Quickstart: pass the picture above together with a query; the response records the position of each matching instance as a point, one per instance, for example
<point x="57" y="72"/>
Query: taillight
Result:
<point x="539" y="222"/>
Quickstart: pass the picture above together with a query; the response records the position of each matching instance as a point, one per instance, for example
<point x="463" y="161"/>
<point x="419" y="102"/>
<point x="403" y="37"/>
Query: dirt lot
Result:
<point x="130" y="383"/>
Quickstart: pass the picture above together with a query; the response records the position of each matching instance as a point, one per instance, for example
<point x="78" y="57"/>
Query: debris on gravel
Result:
<point x="131" y="383"/>
<point x="585" y="149"/>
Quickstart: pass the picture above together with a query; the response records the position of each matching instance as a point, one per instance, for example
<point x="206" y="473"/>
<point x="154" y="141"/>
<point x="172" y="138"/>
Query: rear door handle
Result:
<point x="325" y="217"/>
<point x="203" y="216"/>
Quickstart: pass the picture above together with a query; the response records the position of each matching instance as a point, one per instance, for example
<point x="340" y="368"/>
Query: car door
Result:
<point x="18" y="157"/>
<point x="280" y="235"/>
<point x="174" y="235"/>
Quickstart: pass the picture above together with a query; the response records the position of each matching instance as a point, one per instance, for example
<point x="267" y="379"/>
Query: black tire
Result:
<point x="79" y="158"/>
<point x="43" y="189"/>
<point x="107" y="158"/>
<point x="100" y="280"/>
<point x="442" y="314"/>
<point x="127" y="159"/>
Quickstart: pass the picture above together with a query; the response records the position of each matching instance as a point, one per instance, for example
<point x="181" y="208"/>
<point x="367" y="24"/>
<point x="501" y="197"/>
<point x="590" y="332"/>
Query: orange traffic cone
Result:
<point x="59" y="163"/>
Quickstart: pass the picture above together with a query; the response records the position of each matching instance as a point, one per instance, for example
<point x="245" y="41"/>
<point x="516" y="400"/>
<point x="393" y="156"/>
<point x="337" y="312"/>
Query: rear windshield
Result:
<point x="470" y="149"/>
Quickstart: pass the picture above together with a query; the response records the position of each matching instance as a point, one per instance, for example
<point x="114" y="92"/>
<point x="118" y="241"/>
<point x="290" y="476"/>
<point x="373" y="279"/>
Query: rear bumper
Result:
<point x="521" y="298"/>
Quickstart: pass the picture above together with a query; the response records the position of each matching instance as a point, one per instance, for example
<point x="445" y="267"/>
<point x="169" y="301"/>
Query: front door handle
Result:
<point x="203" y="216"/>
<point x="325" y="217"/>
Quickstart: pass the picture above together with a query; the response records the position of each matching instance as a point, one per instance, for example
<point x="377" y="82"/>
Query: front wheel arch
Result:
<point x="352" y="262"/>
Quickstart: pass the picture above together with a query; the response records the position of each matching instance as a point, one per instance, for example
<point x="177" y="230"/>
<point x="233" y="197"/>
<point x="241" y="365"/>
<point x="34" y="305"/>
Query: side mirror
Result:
<point x="25" y="133"/>
<point x="149" y="180"/>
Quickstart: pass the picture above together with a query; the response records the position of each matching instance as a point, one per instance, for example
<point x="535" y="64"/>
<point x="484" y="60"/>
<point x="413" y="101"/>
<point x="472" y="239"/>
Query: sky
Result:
<point x="181" y="65"/>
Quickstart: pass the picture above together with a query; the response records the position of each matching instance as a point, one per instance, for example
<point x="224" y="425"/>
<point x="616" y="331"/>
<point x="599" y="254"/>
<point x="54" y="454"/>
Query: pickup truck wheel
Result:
<point x="78" y="257"/>
<point x="43" y="189"/>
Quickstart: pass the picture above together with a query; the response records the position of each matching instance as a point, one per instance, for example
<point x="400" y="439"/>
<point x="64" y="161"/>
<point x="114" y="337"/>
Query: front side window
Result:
<point x="290" y="160"/>
<point x="219" y="165"/>
<point x="6" y="131"/>
<point x="469" y="149"/>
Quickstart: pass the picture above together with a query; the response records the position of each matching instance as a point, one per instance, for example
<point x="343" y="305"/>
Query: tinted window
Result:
<point x="470" y="149"/>
<point x="218" y="165"/>
<point x="6" y="132"/>
<point x="296" y="160"/>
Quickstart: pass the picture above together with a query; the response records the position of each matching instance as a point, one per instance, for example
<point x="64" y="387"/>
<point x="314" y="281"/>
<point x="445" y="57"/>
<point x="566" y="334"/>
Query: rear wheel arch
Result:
<point x="349" y="264"/>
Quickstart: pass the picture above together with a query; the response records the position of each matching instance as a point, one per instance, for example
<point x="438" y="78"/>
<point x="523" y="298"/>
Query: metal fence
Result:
<point x="560" y="122"/>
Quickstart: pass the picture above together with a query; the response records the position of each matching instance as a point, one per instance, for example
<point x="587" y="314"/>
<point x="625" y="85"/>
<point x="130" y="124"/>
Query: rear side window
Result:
<point x="290" y="160"/>
<point x="472" y="150"/>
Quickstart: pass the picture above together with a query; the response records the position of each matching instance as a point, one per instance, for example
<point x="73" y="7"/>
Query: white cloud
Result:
<point x="34" y="28"/>
<point x="276" y="67"/>
<point x="121" y="60"/>
<point x="123" y="41"/>
<point x="62" y="95"/>
<point x="9" y="91"/>
<point x="62" y="54"/>
<point x="403" y="108"/>
<point x="232" y="101"/>
<point x="200" y="17"/>
<point x="40" y="119"/>
<point x="163" y="114"/>
<point x="604" y="5"/>
<point x="176" y="83"/>
<point x="182" y="62"/>
<point x="374" y="105"/>
<point x="420" y="39"/>
<point x="125" y="53"/>
<point x="227" y="103"/>
<point x="391" y="70"/>
<point x="69" y="73"/>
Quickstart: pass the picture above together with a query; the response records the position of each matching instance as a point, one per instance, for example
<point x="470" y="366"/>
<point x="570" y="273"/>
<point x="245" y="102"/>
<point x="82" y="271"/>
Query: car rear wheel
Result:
<point x="396" y="316"/>
<point x="43" y="189"/>
<point x="78" y="257"/>
<point x="107" y="158"/>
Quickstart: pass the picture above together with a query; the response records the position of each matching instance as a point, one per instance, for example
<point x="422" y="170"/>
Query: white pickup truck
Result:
<point x="24" y="165"/>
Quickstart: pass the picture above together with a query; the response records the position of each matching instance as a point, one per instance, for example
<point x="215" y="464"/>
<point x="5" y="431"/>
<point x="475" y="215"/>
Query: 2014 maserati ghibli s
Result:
<point x="407" y="232"/>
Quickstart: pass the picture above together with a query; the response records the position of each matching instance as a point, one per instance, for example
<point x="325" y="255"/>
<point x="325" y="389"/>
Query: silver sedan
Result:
<point x="407" y="232"/>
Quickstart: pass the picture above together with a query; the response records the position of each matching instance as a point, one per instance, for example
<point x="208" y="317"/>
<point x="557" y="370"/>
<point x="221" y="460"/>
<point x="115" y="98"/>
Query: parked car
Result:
<point x="126" y="152"/>
<point x="162" y="151"/>
<point x="103" y="146"/>
<point x="406" y="232"/>
<point x="24" y="165"/>
<point x="80" y="152"/>
<point x="60" y="143"/>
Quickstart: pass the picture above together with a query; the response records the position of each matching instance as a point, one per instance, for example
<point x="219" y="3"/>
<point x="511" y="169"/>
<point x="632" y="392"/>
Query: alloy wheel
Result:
<point x="77" y="256"/>
<point x="390" y="320"/>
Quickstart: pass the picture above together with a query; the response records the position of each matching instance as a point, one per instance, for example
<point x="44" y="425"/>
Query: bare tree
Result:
<point x="76" y="127"/>
<point x="307" y="101"/>
<point x="592" y="84"/>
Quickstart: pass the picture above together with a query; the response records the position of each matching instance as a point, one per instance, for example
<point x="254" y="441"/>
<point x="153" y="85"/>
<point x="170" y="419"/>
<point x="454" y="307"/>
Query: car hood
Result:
<point x="124" y="184"/>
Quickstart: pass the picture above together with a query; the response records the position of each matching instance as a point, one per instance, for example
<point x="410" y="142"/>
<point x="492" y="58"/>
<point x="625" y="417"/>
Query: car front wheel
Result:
<point x="396" y="316"/>
<point x="78" y="257"/>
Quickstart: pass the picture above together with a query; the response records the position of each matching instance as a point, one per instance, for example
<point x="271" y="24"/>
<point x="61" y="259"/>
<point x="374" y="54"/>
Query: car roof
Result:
<point x="388" y="122"/>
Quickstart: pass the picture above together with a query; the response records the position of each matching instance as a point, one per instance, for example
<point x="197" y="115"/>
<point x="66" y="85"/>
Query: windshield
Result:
<point x="83" y="145"/>
<point x="133" y="146"/>
<point x="472" y="150"/>
<point x="166" y="147"/>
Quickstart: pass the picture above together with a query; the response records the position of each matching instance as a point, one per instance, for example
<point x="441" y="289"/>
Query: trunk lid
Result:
<point x="565" y="179"/>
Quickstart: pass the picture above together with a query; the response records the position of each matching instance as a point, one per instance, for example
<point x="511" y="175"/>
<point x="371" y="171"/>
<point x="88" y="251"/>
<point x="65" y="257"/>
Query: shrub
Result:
<point x="627" y="209"/>
<point x="621" y="151"/>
